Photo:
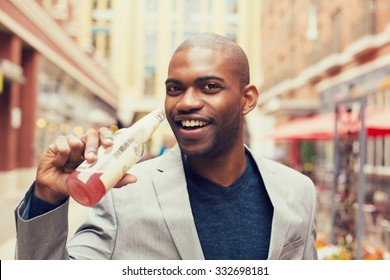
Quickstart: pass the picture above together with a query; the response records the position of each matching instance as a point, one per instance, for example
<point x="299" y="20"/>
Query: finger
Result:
<point x="75" y="156"/>
<point x="105" y="136"/>
<point x="127" y="179"/>
<point x="60" y="151"/>
<point x="91" y="141"/>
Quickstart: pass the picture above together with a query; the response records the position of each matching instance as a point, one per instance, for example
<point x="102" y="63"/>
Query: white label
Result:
<point x="118" y="168"/>
<point x="105" y="158"/>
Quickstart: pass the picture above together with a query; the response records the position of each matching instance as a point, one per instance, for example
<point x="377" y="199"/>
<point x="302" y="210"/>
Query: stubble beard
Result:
<point x="224" y="140"/>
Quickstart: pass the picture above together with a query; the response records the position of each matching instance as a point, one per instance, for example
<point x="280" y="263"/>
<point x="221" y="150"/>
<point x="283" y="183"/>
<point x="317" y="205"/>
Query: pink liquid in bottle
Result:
<point x="89" y="193"/>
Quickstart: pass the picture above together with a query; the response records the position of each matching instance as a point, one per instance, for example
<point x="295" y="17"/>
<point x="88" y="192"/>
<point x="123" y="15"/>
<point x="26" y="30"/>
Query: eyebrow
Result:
<point x="173" y="80"/>
<point x="200" y="79"/>
<point x="210" y="77"/>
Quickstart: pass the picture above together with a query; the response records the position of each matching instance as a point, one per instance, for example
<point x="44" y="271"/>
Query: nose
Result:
<point x="190" y="100"/>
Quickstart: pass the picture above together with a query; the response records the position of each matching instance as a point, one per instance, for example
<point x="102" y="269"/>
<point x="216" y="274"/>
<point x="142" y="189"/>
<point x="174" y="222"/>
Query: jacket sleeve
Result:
<point x="42" y="237"/>
<point x="95" y="239"/>
<point x="45" y="237"/>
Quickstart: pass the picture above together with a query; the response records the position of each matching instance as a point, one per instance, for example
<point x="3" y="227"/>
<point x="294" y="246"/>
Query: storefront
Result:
<point x="352" y="179"/>
<point x="48" y="85"/>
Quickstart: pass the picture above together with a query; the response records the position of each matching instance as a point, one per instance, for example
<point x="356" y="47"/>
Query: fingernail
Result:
<point x="108" y="137"/>
<point x="91" y="155"/>
<point x="68" y="170"/>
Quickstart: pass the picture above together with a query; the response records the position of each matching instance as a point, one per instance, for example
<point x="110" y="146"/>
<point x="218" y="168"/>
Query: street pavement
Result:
<point x="12" y="189"/>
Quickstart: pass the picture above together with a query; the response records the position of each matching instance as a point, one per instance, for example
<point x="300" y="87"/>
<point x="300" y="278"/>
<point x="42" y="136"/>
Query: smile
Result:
<point x="193" y="123"/>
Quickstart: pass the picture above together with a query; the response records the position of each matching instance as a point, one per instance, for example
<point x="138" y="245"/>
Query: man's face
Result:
<point x="203" y="102"/>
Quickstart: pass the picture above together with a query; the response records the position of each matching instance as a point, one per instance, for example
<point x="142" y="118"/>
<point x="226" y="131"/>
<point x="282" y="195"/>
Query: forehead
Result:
<point x="198" y="61"/>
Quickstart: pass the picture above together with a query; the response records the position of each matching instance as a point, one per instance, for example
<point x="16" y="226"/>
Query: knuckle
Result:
<point x="75" y="142"/>
<point x="92" y="132"/>
<point x="104" y="131"/>
<point x="63" y="150"/>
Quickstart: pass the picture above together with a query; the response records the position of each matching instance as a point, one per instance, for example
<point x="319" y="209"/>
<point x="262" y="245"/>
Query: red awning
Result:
<point x="321" y="127"/>
<point x="309" y="128"/>
<point x="379" y="124"/>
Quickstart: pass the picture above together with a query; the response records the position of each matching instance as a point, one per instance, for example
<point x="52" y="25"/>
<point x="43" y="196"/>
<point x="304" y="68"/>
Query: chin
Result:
<point x="198" y="151"/>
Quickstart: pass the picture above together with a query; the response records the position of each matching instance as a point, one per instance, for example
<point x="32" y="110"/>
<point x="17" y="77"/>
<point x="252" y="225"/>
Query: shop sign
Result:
<point x="12" y="71"/>
<point x="16" y="117"/>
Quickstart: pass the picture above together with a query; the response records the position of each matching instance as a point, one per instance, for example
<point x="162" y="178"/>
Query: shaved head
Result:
<point x="237" y="60"/>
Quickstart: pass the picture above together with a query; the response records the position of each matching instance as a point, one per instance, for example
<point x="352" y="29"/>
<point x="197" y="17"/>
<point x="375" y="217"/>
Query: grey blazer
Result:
<point x="152" y="218"/>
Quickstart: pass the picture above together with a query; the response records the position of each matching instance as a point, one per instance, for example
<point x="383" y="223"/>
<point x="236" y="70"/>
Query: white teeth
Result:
<point x="193" y="123"/>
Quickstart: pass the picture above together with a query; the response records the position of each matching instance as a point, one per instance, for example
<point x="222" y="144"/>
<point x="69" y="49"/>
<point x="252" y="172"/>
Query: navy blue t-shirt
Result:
<point x="232" y="222"/>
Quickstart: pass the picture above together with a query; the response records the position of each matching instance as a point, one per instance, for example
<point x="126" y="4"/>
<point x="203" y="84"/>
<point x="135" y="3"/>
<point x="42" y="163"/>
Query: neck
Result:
<point x="224" y="169"/>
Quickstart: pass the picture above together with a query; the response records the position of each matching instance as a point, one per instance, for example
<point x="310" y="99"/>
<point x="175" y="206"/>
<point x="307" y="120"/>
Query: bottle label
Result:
<point x="118" y="168"/>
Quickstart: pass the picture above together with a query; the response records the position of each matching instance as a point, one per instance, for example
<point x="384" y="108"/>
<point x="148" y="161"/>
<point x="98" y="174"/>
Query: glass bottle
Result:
<point x="90" y="182"/>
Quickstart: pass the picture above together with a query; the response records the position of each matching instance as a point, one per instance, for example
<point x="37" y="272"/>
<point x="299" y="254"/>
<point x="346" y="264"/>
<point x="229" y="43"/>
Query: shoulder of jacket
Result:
<point x="282" y="171"/>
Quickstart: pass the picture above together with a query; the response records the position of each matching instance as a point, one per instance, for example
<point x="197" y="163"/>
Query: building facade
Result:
<point x="317" y="55"/>
<point x="319" y="52"/>
<point x="48" y="85"/>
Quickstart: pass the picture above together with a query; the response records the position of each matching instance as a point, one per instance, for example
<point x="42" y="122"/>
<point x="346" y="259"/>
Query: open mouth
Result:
<point x="193" y="124"/>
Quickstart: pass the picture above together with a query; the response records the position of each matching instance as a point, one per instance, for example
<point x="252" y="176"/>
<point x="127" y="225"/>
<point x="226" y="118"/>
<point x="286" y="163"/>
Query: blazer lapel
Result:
<point x="171" y="188"/>
<point x="276" y="192"/>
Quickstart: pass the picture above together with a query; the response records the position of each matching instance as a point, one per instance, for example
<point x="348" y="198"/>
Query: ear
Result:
<point x="249" y="99"/>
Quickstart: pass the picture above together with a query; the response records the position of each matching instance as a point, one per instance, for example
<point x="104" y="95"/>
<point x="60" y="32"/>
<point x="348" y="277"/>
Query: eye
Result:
<point x="173" y="89"/>
<point x="212" y="87"/>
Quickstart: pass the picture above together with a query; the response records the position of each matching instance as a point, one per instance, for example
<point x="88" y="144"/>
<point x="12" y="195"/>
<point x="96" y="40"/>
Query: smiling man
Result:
<point x="208" y="197"/>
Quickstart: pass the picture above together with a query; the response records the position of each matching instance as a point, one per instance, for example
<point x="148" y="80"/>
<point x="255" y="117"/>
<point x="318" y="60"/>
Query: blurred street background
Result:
<point x="322" y="69"/>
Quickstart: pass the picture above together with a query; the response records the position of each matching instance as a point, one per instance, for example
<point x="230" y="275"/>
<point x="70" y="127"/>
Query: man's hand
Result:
<point x="63" y="156"/>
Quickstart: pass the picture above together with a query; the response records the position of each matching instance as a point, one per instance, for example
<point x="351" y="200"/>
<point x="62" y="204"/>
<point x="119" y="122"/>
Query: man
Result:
<point x="206" y="198"/>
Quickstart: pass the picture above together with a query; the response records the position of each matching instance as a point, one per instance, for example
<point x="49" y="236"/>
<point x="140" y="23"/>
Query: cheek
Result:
<point x="229" y="107"/>
<point x="168" y="104"/>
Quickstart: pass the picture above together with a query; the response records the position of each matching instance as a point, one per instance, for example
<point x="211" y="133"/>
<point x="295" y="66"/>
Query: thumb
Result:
<point x="127" y="179"/>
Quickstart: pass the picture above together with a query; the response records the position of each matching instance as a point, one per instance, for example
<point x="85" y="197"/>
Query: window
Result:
<point x="336" y="32"/>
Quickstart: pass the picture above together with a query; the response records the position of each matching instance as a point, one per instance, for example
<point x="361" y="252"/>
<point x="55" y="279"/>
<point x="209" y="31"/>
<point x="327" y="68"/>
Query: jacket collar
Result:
<point x="170" y="185"/>
<point x="275" y="188"/>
